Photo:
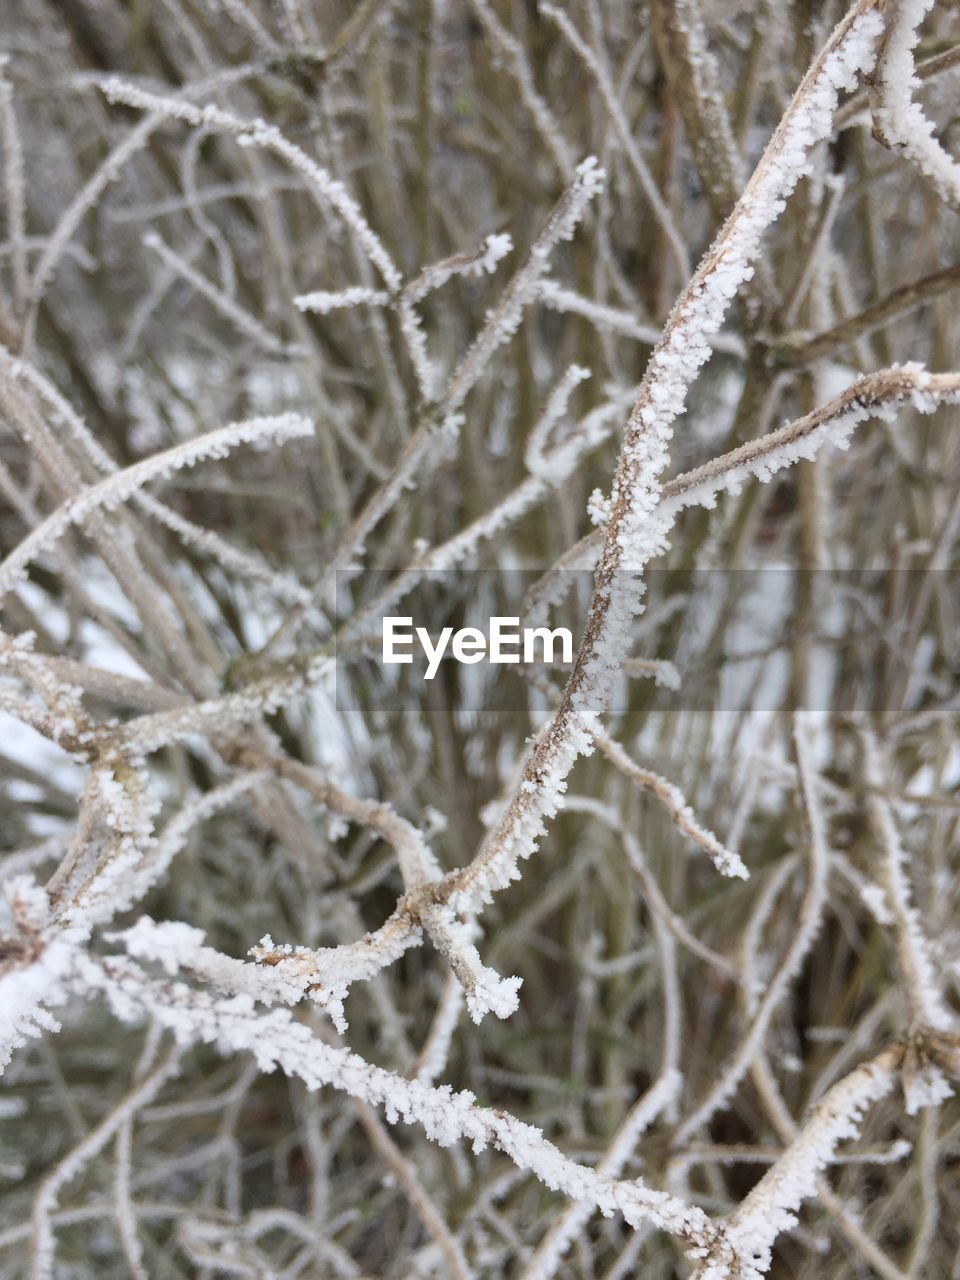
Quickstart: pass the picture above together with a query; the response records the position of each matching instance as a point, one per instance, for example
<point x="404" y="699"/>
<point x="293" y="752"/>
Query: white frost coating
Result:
<point x="901" y="120"/>
<point x="148" y="733"/>
<point x="24" y="993"/>
<point x="663" y="672"/>
<point x="925" y="1087"/>
<point x="180" y="948"/>
<point x="489" y="993"/>
<point x="877" y="395"/>
<point x="116" y="488"/>
<point x="626" y="135"/>
<point x="260" y="134"/>
<point x="552" y="412"/>
<point x="231" y="558"/>
<point x="805" y="931"/>
<point x="440" y="428"/>
<point x="35" y="977"/>
<point x="128" y="809"/>
<point x="637" y="531"/>
<point x="411" y="326"/>
<point x="495" y="248"/>
<point x="874" y="396"/>
<point x="669" y="795"/>
<point x="432" y="1059"/>
<point x="43" y="1237"/>
<point x="323" y="302"/>
<point x="557" y="298"/>
<point x="510" y="55"/>
<point x="114" y="854"/>
<point x="326" y="974"/>
<point x="560" y="463"/>
<point x="875" y="901"/>
<point x="143" y="859"/>
<point x="771" y="1206"/>
<point x="503" y="322"/>
<point x="486" y="259"/>
<point x="486" y="991"/>
<point x="658" y="1098"/>
<point x="160" y="853"/>
<point x="277" y="1040"/>
<point x="686" y="347"/>
<point x="923" y="986"/>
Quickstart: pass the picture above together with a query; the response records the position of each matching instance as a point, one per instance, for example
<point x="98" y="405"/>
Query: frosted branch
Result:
<point x="119" y="486"/>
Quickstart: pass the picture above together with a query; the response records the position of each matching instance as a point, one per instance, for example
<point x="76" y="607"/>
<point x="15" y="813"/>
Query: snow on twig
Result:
<point x="119" y="486"/>
<point x="636" y="531"/>
<point x="277" y="1041"/>
<point x="900" y="120"/>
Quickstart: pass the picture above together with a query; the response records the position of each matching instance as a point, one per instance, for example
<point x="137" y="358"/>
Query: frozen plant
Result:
<point x="639" y="961"/>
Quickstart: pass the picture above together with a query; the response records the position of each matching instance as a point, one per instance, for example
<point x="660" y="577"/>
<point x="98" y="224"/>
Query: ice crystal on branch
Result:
<point x="444" y="270"/>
